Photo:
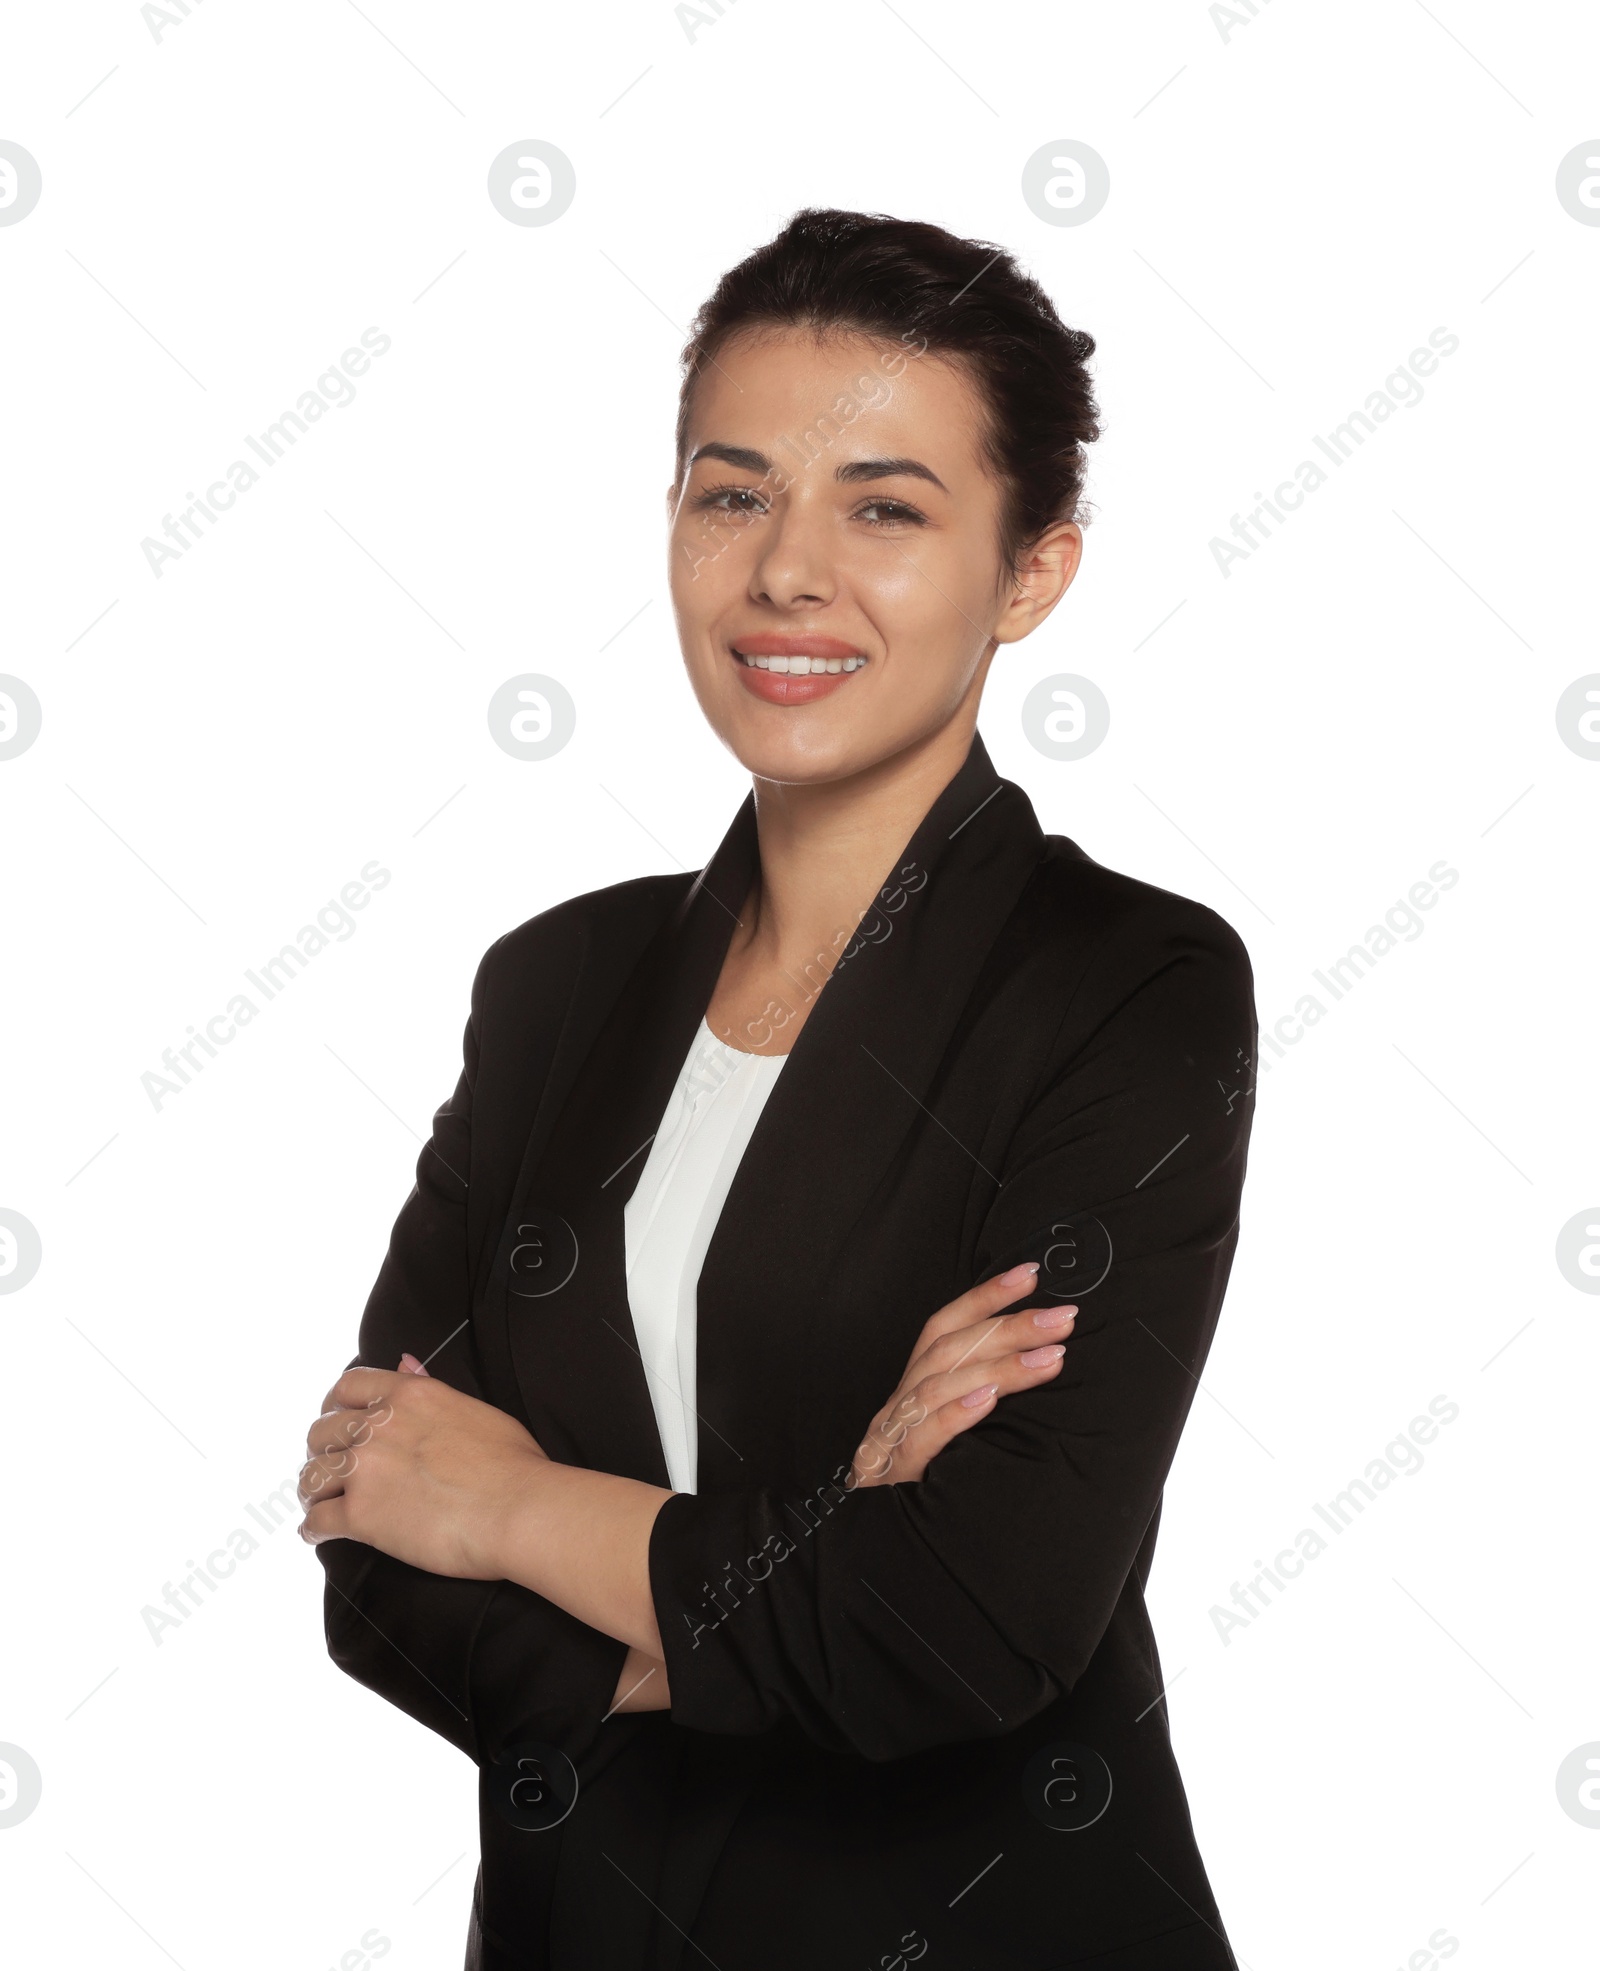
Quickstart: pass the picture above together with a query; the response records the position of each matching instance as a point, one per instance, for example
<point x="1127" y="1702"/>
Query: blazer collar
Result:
<point x="863" y="1066"/>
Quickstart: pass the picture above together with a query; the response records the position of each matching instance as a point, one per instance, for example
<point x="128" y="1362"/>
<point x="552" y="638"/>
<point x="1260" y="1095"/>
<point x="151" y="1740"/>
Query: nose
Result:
<point x="795" y="565"/>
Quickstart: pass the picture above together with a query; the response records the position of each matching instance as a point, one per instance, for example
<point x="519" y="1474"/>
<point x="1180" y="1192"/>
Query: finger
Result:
<point x="328" y="1520"/>
<point x="1015" y="1370"/>
<point x="320" y="1478"/>
<point x="356" y="1388"/>
<point x="905" y="1433"/>
<point x="887" y="1461"/>
<point x="1002" y="1334"/>
<point x="967" y="1311"/>
<point x="411" y="1366"/>
<point x="988" y="1340"/>
<point x="944" y="1420"/>
<point x="979" y="1302"/>
<point x="961" y="1326"/>
<point x="958" y="1415"/>
<point x="345" y="1430"/>
<point x="921" y="1419"/>
<point x="1020" y="1369"/>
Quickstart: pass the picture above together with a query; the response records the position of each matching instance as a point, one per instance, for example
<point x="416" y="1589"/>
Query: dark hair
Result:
<point x="902" y="280"/>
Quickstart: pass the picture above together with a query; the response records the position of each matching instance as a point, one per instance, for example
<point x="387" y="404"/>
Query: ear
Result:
<point x="1042" y="579"/>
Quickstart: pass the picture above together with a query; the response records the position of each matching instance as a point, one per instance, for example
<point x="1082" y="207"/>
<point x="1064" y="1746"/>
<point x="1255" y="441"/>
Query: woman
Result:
<point x="771" y="1382"/>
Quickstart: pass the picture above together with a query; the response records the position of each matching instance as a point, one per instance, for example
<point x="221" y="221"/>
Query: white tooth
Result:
<point x="802" y="666"/>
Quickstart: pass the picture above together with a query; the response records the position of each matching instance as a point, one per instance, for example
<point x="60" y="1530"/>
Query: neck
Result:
<point x="827" y="850"/>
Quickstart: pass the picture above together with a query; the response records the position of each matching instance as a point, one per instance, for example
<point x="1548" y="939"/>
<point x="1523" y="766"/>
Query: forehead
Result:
<point x="863" y="397"/>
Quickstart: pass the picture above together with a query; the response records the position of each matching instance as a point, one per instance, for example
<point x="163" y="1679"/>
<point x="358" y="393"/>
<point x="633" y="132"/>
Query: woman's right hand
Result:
<point x="968" y="1356"/>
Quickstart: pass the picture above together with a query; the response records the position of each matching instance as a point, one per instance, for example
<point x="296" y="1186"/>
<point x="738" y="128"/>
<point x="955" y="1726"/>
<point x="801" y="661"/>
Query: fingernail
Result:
<point x="1020" y="1273"/>
<point x="1037" y="1357"/>
<point x="979" y="1397"/>
<point x="1053" y="1317"/>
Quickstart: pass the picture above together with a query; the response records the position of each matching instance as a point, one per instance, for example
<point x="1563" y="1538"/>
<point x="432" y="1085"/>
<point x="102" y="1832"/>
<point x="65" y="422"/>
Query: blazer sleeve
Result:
<point x="483" y="1663"/>
<point x="887" y="1620"/>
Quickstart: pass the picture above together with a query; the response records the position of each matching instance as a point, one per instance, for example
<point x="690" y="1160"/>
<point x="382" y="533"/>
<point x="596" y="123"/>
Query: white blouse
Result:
<point x="709" y="1119"/>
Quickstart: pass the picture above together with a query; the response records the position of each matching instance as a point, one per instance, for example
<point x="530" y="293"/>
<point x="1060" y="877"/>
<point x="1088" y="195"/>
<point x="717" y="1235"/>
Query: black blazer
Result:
<point x="912" y="1720"/>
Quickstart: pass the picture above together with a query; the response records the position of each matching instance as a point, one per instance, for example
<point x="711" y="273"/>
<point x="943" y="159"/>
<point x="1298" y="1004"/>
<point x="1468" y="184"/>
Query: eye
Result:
<point x="729" y="499"/>
<point x="891" y="514"/>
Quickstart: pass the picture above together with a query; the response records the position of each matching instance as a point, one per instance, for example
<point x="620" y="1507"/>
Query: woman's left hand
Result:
<point x="402" y="1462"/>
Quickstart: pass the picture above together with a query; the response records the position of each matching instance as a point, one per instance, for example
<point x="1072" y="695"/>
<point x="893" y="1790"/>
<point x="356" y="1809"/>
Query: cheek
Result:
<point x="705" y="569"/>
<point x="700" y="584"/>
<point x="933" y="591"/>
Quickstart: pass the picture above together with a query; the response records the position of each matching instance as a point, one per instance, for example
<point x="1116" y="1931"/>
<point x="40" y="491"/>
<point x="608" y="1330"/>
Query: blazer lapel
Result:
<point x="862" y="1071"/>
<point x="559" y="1287"/>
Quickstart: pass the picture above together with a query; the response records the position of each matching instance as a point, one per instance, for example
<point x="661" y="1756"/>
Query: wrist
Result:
<point x="581" y="1539"/>
<point x="511" y="1521"/>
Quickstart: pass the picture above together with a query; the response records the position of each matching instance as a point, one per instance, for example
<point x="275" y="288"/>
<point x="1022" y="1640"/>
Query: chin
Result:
<point x="818" y="752"/>
<point x="799" y="760"/>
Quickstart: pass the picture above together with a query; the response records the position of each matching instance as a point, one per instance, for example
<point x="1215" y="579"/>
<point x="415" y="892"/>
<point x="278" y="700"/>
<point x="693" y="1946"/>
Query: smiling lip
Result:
<point x="773" y="643"/>
<point x="788" y="687"/>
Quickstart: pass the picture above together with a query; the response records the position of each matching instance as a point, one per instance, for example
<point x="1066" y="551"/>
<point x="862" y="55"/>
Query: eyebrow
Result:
<point x="851" y="473"/>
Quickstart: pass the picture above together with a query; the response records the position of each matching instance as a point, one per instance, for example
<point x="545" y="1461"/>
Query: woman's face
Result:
<point x="836" y="507"/>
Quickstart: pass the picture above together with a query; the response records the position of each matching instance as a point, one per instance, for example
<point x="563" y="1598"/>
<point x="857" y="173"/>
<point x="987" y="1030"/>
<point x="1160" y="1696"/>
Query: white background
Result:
<point x="1296" y="202"/>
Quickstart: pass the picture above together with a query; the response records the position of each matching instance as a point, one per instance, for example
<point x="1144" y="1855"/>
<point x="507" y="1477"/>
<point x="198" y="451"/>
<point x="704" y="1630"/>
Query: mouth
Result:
<point x="794" y="670"/>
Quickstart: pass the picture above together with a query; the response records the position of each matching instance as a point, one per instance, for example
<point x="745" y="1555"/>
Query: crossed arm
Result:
<point x="433" y="1477"/>
<point x="493" y="1593"/>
